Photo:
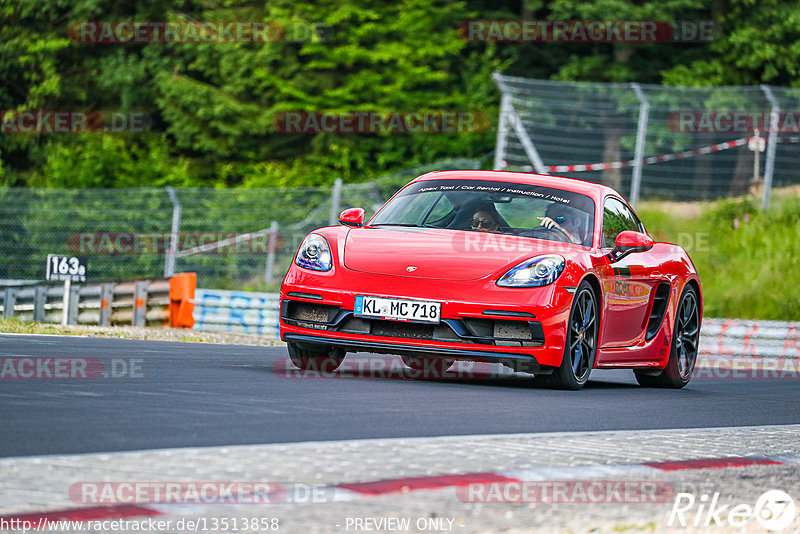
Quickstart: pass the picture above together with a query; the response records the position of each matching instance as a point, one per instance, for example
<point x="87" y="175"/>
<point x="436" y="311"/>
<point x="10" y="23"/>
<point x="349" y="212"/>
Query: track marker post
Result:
<point x="641" y="139"/>
<point x="772" y="144"/>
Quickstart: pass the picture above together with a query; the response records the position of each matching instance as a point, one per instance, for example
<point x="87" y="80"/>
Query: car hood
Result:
<point x="436" y="253"/>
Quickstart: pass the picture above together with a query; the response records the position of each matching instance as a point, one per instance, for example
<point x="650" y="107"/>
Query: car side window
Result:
<point x="617" y="217"/>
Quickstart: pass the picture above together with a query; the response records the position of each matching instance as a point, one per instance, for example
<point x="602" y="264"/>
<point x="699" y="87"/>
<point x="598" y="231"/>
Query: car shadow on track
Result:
<point x="392" y="368"/>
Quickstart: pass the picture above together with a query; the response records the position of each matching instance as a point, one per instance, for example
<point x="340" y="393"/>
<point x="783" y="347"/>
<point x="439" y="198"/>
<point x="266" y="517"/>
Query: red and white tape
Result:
<point x="659" y="159"/>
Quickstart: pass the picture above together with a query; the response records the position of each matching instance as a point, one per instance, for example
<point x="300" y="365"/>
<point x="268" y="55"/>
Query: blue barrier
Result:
<point x="217" y="310"/>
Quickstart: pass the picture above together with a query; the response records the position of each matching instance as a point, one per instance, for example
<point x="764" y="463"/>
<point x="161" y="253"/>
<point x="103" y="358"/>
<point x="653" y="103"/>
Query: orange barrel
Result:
<point x="181" y="300"/>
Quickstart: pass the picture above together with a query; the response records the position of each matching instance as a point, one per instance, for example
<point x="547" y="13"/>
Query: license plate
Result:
<point x="398" y="309"/>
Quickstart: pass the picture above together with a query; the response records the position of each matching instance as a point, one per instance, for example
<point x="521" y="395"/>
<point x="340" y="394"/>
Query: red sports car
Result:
<point x="547" y="275"/>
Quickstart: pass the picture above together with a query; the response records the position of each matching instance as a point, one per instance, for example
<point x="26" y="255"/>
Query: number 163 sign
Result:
<point x="66" y="268"/>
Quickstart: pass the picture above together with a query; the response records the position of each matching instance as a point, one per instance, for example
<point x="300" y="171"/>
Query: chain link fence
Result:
<point x="692" y="142"/>
<point x="125" y="234"/>
<point x="647" y="141"/>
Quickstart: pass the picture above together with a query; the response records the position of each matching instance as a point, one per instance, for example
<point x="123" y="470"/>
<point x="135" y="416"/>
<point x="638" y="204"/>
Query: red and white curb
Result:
<point x="359" y="490"/>
<point x="406" y="485"/>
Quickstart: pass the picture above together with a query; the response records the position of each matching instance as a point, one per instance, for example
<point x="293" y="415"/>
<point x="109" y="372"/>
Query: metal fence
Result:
<point x="629" y="136"/>
<point x="126" y="234"/>
<point x="651" y="141"/>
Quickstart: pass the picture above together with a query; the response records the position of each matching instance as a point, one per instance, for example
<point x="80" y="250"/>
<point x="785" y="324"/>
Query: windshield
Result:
<point x="497" y="207"/>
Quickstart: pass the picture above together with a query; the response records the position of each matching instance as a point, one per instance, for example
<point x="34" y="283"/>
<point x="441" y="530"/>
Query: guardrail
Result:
<point x="140" y="303"/>
<point x="236" y="311"/>
<point x="147" y="303"/>
<point x="257" y="313"/>
<point x="735" y="337"/>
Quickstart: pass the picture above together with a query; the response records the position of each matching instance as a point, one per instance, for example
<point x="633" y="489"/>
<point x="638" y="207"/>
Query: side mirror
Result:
<point x="628" y="242"/>
<point x="352" y="217"/>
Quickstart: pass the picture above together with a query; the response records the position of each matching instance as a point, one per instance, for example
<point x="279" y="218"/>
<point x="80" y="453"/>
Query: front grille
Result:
<point x="306" y="311"/>
<point x="507" y="330"/>
<point x="400" y="329"/>
<point x="308" y="314"/>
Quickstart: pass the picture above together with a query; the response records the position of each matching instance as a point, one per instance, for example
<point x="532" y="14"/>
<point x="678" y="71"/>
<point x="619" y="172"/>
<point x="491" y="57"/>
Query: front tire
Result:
<point x="325" y="359"/>
<point x="683" y="351"/>
<point x="580" y="348"/>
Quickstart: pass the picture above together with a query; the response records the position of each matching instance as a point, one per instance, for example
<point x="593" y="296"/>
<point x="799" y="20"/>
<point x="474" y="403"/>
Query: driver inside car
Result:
<point x="564" y="220"/>
<point x="485" y="218"/>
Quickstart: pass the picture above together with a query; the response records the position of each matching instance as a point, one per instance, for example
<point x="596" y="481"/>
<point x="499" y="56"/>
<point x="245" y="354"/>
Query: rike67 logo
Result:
<point x="775" y="510"/>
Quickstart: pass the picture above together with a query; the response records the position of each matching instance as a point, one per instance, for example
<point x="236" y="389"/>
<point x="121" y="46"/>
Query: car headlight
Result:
<point x="535" y="272"/>
<point x="314" y="253"/>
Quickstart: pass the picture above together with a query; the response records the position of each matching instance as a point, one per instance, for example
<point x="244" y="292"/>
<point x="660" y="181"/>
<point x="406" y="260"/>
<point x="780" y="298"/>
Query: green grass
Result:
<point x="13" y="325"/>
<point x="749" y="272"/>
<point x="627" y="528"/>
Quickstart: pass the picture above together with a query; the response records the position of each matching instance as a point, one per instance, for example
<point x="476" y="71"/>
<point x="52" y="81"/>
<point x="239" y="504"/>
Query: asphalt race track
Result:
<point x="195" y="394"/>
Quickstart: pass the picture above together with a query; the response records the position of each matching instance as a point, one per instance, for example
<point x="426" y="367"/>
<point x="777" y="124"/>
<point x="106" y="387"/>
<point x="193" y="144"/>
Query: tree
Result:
<point x="757" y="43"/>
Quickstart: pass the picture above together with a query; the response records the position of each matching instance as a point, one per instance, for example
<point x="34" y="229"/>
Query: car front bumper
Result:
<point x="524" y="328"/>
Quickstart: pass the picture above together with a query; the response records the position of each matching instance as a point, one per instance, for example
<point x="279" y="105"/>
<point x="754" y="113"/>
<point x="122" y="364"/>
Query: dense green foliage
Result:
<point x="212" y="105"/>
<point x="744" y="256"/>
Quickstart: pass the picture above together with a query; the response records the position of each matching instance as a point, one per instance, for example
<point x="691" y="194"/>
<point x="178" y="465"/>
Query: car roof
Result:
<point x="594" y="191"/>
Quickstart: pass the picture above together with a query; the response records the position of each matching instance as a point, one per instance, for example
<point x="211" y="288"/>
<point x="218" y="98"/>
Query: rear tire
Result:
<point x="430" y="366"/>
<point x="580" y="347"/>
<point x="324" y="360"/>
<point x="683" y="350"/>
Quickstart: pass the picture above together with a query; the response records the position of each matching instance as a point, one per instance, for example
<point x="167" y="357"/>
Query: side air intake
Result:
<point x="658" y="310"/>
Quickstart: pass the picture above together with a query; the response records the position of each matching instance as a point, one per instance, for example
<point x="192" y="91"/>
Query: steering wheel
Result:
<point x="559" y="235"/>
